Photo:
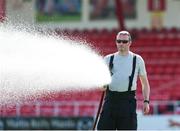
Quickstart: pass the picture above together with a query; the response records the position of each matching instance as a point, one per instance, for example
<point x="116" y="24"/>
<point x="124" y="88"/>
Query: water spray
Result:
<point x="31" y="63"/>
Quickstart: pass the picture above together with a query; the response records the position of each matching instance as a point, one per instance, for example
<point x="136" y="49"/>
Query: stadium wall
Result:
<point x="155" y="122"/>
<point x="23" y="11"/>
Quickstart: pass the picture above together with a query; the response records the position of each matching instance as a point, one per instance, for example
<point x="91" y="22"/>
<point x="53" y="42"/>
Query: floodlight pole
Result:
<point x="120" y="14"/>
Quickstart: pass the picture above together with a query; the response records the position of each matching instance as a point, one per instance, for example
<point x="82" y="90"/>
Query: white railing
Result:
<point x="56" y="104"/>
<point x="56" y="107"/>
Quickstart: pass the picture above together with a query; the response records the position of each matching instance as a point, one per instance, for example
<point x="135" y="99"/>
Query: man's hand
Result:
<point x="146" y="93"/>
<point x="104" y="88"/>
<point x="146" y="108"/>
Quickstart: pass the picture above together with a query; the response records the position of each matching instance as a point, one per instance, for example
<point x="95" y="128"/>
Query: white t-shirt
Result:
<point x="122" y="69"/>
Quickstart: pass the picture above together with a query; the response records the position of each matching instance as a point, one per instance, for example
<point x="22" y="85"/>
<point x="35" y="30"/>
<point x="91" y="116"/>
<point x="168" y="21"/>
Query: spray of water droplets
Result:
<point x="31" y="63"/>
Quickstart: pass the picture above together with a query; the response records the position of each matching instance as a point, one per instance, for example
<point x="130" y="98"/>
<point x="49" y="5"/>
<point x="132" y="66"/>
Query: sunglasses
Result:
<point x="122" y="41"/>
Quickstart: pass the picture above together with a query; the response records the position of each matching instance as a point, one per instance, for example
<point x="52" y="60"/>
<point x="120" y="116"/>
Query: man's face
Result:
<point x="122" y="42"/>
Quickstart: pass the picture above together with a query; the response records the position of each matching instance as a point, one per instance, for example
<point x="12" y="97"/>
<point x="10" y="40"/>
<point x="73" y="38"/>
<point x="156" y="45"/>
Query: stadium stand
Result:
<point x="159" y="48"/>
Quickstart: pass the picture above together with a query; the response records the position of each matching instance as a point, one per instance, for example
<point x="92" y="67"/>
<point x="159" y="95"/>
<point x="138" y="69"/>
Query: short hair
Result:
<point x="124" y="33"/>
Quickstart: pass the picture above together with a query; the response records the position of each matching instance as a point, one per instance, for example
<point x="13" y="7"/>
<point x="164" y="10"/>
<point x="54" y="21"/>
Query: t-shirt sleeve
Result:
<point x="141" y="65"/>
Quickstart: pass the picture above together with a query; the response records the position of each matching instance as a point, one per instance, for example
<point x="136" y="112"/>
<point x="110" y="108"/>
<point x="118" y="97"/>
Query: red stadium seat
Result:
<point x="66" y="110"/>
<point x="8" y="111"/>
<point x="47" y="110"/>
<point x="28" y="110"/>
<point x="87" y="110"/>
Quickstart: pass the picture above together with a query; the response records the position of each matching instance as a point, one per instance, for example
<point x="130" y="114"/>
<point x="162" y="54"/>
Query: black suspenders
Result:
<point x="133" y="70"/>
<point x="132" y="74"/>
<point x="111" y="64"/>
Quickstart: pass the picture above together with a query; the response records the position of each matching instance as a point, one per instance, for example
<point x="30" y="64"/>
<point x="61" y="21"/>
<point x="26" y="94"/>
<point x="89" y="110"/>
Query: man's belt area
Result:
<point x="115" y="95"/>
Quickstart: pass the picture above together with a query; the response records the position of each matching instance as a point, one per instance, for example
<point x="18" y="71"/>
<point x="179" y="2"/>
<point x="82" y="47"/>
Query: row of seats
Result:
<point x="45" y="110"/>
<point x="138" y="43"/>
<point x="115" y="30"/>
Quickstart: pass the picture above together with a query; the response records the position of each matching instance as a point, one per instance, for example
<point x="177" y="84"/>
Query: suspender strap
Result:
<point x="111" y="64"/>
<point x="132" y="74"/>
<point x="110" y="69"/>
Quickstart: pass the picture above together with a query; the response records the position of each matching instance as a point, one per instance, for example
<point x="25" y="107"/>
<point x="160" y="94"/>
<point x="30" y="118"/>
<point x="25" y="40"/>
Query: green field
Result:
<point x="57" y="18"/>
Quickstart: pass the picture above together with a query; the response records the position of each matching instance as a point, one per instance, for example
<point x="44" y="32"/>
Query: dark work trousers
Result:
<point x="119" y="111"/>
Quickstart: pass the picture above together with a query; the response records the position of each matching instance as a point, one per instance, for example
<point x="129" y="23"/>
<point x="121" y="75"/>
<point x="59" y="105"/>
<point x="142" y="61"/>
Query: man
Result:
<point x="119" y="109"/>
